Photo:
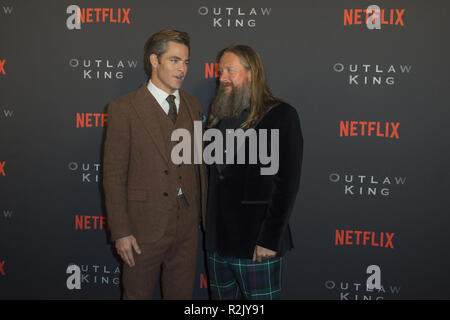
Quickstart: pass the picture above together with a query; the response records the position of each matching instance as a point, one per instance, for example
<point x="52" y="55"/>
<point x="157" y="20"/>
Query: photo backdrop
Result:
<point x="372" y="92"/>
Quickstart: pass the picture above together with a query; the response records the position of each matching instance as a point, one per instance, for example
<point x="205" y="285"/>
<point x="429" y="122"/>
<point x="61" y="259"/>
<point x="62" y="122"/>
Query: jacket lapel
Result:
<point x="145" y="105"/>
<point x="184" y="102"/>
<point x="194" y="115"/>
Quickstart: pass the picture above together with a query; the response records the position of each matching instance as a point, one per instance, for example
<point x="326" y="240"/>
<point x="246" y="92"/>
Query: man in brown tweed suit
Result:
<point x="154" y="206"/>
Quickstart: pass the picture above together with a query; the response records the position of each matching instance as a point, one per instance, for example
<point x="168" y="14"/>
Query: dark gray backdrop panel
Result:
<point x="51" y="168"/>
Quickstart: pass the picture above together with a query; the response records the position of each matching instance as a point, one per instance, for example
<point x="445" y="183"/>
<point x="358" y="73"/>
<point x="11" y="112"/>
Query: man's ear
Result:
<point x="154" y="60"/>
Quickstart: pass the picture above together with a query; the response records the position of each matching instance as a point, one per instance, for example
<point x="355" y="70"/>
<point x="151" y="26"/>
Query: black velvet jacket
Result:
<point x="245" y="208"/>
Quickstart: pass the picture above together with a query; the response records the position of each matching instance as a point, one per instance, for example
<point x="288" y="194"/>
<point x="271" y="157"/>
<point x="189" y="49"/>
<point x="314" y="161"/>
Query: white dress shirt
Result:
<point x="161" y="96"/>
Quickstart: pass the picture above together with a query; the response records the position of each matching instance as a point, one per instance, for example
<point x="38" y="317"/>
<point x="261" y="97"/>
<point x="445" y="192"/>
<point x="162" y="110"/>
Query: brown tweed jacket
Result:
<point x="137" y="182"/>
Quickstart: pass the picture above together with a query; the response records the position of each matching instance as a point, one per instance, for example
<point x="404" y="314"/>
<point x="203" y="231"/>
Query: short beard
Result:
<point x="230" y="105"/>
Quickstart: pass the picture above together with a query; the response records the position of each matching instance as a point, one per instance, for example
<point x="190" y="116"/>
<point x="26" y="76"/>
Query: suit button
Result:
<point x="221" y="177"/>
<point x="166" y="172"/>
<point x="165" y="194"/>
<point x="179" y="177"/>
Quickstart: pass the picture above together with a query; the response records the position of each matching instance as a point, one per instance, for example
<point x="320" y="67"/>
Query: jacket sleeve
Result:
<point x="115" y="171"/>
<point x="286" y="180"/>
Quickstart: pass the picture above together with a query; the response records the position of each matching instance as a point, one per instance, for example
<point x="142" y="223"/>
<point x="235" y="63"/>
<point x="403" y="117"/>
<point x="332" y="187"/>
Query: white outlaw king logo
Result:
<point x="213" y="152"/>
<point x="230" y="17"/>
<point x="79" y="275"/>
<point x="372" y="290"/>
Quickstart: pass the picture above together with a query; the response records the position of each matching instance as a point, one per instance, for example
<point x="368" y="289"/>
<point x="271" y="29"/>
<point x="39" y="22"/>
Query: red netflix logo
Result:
<point x="211" y="70"/>
<point x="364" y="238"/>
<point x="2" y="66"/>
<point x="2" y="268"/>
<point x="89" y="120"/>
<point x="95" y="15"/>
<point x="2" y="168"/>
<point x="374" y="17"/>
<point x="90" y="223"/>
<point x="369" y="128"/>
<point x="91" y="15"/>
<point x="203" y="281"/>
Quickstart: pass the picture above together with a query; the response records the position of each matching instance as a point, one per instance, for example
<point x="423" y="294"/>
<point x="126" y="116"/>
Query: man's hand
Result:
<point x="125" y="246"/>
<point x="261" y="254"/>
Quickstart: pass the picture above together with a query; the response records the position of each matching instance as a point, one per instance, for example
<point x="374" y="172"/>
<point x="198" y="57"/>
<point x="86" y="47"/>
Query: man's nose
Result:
<point x="182" y="67"/>
<point x="224" y="77"/>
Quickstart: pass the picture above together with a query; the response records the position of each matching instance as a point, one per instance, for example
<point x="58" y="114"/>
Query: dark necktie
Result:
<point x="172" y="108"/>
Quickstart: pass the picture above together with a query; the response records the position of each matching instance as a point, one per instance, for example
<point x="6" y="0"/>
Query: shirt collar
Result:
<point x="161" y="95"/>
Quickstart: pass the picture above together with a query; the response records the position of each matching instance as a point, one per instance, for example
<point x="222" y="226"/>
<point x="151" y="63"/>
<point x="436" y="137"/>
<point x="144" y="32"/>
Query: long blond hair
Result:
<point x="262" y="99"/>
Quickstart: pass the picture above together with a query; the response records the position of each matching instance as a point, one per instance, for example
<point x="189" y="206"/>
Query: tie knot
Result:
<point x="170" y="98"/>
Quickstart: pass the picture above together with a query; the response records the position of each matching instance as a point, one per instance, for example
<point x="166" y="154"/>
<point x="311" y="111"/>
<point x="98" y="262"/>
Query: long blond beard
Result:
<point x="230" y="105"/>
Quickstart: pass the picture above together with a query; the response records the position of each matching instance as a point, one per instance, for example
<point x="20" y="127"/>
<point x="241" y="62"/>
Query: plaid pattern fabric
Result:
<point x="236" y="279"/>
